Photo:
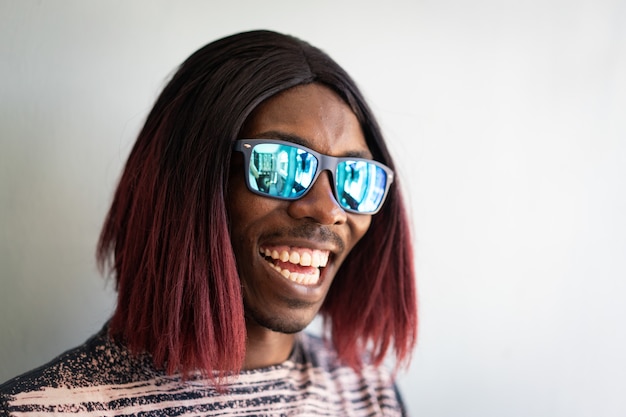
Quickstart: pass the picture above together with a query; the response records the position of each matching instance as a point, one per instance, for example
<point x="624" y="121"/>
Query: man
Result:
<point x="218" y="273"/>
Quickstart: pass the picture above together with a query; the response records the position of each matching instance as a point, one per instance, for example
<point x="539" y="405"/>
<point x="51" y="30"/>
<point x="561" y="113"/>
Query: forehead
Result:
<point x="312" y="115"/>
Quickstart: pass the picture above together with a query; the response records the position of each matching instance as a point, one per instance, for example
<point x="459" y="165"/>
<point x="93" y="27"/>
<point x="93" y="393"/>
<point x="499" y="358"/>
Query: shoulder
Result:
<point x="98" y="362"/>
<point x="370" y="388"/>
<point x="320" y="354"/>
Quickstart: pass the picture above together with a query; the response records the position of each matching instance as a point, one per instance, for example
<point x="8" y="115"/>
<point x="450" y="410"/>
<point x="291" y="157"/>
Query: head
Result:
<point x="185" y="237"/>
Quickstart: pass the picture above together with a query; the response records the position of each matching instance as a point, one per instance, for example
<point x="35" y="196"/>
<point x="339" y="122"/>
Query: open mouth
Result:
<point x="300" y="265"/>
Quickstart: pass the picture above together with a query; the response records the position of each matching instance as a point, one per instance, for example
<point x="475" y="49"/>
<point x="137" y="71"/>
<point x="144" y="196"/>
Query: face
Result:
<point x="288" y="252"/>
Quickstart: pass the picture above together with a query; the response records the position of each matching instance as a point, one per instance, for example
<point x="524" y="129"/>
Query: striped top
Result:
<point x="102" y="378"/>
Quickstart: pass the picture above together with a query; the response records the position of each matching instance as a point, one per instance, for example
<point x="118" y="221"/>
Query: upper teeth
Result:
<point x="301" y="256"/>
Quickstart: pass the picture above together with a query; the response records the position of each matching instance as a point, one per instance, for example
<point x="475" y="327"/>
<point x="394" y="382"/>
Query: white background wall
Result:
<point x="508" y="119"/>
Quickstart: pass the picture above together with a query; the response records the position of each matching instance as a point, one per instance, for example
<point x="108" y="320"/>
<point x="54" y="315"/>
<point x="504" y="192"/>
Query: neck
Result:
<point x="265" y="347"/>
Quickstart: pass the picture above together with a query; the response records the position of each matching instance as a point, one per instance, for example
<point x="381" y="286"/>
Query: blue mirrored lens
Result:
<point x="361" y="185"/>
<point x="281" y="170"/>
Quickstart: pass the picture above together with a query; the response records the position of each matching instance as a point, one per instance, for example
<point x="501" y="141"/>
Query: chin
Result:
<point x="286" y="325"/>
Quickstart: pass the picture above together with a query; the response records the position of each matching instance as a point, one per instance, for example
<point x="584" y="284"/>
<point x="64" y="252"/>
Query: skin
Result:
<point x="275" y="307"/>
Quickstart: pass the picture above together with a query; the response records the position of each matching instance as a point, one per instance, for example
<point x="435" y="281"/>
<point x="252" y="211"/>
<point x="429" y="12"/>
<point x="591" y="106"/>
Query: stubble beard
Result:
<point x="277" y="324"/>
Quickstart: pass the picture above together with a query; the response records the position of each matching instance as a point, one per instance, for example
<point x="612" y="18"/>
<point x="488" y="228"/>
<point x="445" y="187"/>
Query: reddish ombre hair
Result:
<point x="166" y="238"/>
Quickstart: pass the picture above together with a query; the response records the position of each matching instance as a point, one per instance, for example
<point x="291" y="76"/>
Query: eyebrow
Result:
<point x="288" y="137"/>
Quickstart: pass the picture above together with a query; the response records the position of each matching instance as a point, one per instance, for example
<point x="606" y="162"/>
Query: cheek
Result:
<point x="247" y="213"/>
<point x="240" y="218"/>
<point x="359" y="225"/>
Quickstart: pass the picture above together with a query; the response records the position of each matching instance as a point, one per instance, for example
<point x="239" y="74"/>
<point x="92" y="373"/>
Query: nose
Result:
<point x="319" y="203"/>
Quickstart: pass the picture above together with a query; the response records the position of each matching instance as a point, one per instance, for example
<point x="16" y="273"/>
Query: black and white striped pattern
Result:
<point x="101" y="378"/>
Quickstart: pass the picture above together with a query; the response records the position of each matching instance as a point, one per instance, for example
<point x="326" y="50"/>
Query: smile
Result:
<point x="300" y="265"/>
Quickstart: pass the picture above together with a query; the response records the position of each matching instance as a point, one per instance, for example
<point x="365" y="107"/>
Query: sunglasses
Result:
<point x="286" y="171"/>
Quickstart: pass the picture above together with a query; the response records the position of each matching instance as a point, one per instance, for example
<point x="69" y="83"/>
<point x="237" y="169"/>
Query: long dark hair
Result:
<point x="166" y="237"/>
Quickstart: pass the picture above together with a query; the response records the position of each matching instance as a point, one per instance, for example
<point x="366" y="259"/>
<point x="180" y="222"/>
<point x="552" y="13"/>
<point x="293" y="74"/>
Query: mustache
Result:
<point x="309" y="231"/>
